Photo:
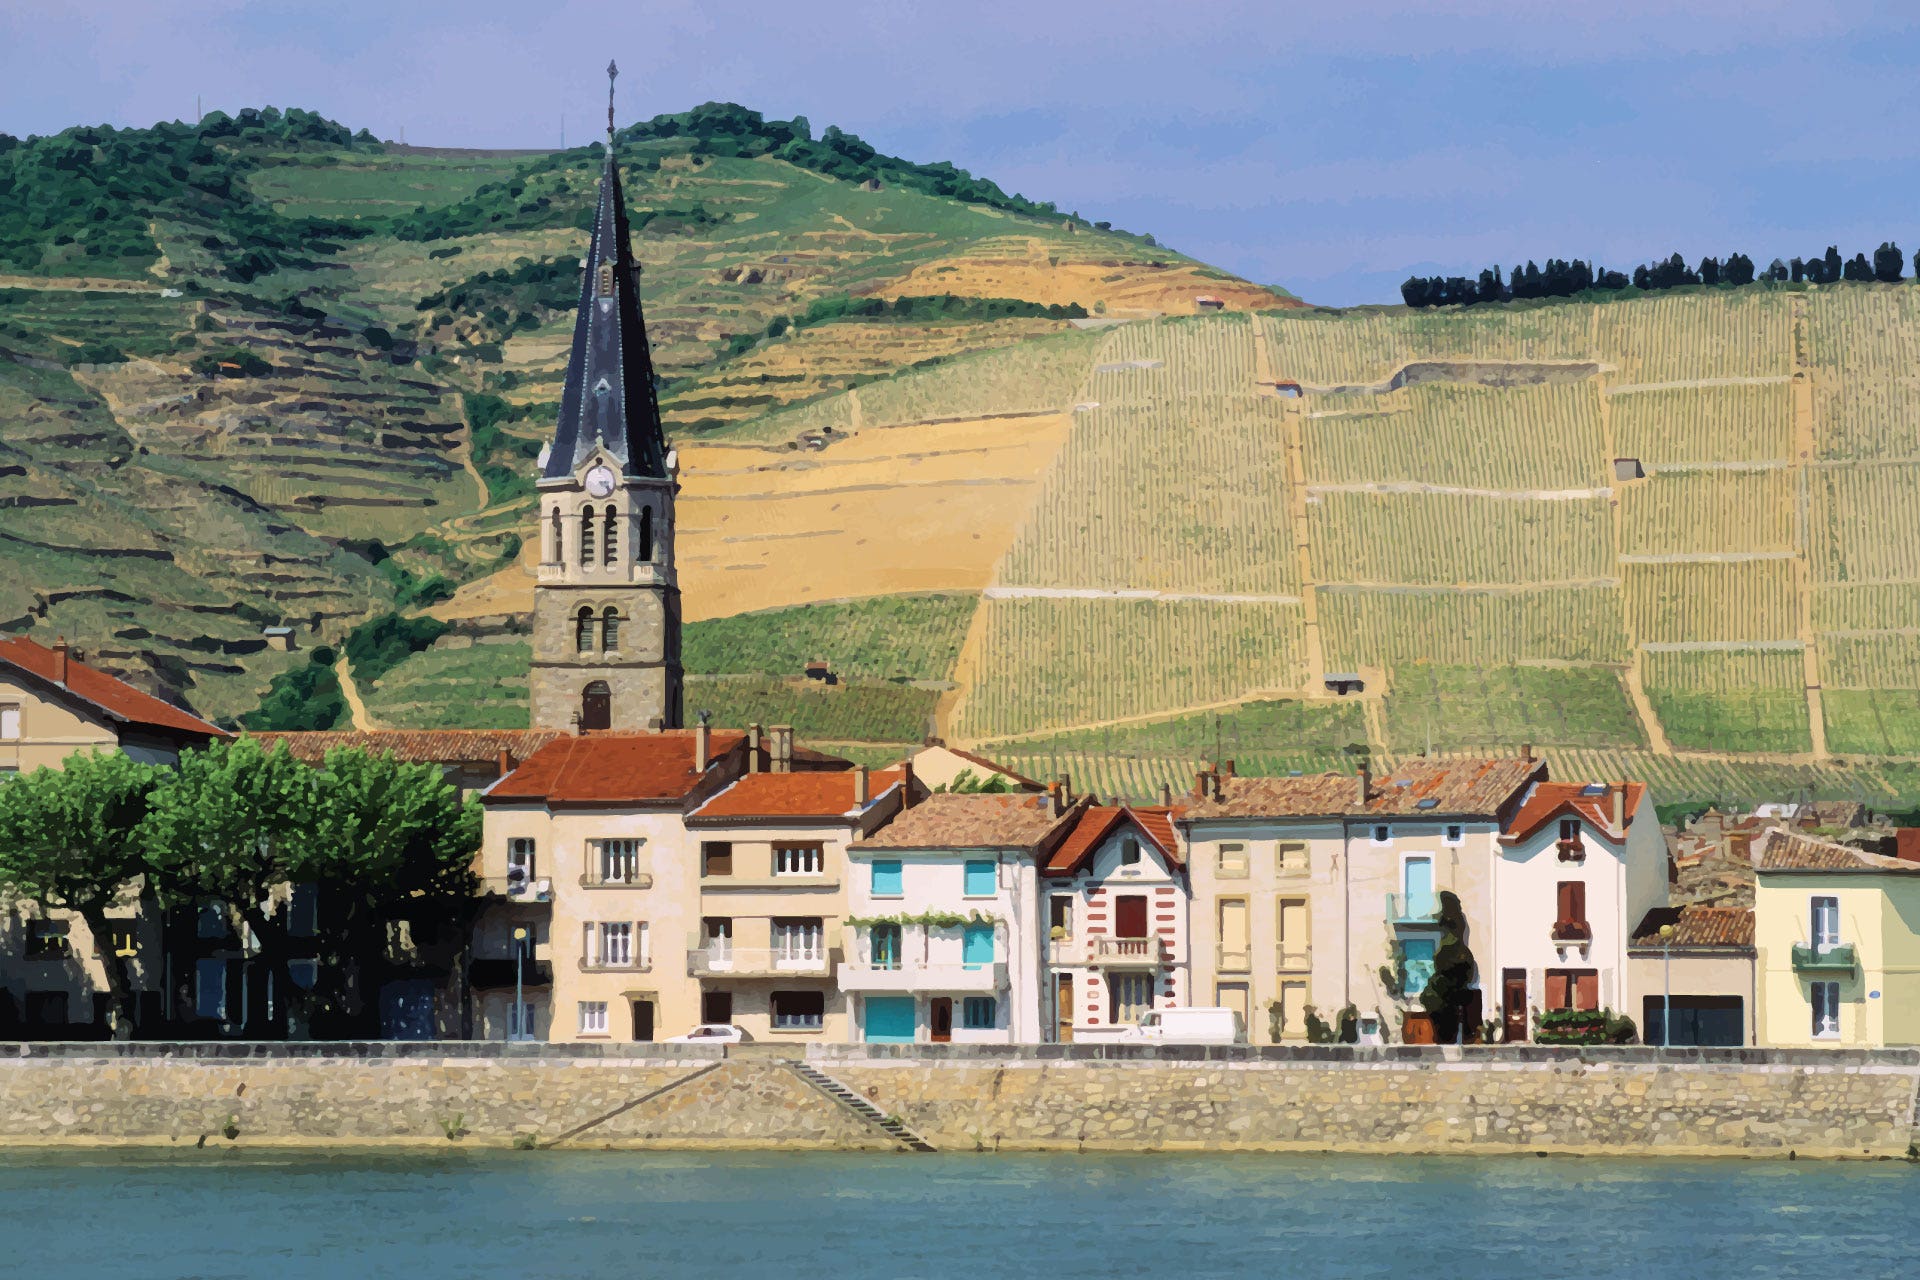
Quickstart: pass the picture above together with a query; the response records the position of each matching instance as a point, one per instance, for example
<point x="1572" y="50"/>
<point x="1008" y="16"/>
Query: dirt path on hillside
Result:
<point x="1686" y="384"/>
<point x="464" y="452"/>
<point x="1707" y="557"/>
<point x="1803" y="452"/>
<point x="77" y="284"/>
<point x="1458" y="491"/>
<point x="1296" y="500"/>
<point x="362" y="722"/>
<point x="1129" y="593"/>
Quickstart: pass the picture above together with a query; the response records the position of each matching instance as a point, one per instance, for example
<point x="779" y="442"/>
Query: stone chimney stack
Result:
<point x="860" y="786"/>
<point x="60" y="660"/>
<point x="1166" y="795"/>
<point x="1056" y="801"/>
<point x="1066" y="788"/>
<point x="1366" y="781"/>
<point x="753" y="748"/>
<point x="907" y="797"/>
<point x="505" y="762"/>
<point x="702" y="744"/>
<point x="782" y="748"/>
<point x="1526" y="751"/>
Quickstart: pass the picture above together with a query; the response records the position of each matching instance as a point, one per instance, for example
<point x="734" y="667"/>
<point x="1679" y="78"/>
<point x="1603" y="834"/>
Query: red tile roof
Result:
<point x="1097" y="822"/>
<point x="435" y="746"/>
<point x="612" y="768"/>
<point x="110" y="695"/>
<point x="1782" y="850"/>
<point x="948" y="820"/>
<point x="794" y="795"/>
<point x="1698" y="926"/>
<point x="1418" y="787"/>
<point x="1551" y="801"/>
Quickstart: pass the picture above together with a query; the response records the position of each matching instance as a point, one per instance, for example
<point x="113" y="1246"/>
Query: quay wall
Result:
<point x="1741" y="1102"/>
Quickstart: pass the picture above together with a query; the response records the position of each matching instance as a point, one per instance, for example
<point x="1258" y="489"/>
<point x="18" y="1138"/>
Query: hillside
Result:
<point x="1669" y="536"/>
<point x="264" y="370"/>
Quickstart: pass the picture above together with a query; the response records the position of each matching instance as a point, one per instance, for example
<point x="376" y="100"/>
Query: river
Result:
<point x="252" y="1214"/>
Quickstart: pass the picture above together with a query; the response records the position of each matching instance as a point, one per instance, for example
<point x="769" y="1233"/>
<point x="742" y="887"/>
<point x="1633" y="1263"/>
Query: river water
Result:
<point x="239" y="1213"/>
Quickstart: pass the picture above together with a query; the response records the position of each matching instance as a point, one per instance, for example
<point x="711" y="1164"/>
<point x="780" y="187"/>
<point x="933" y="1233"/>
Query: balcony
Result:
<point x="632" y="880"/>
<point x="1413" y="910"/>
<point x="493" y="974"/>
<point x="1834" y="958"/>
<point x="1232" y="960"/>
<point x="517" y="888"/>
<point x="1571" y="850"/>
<point x="866" y="977"/>
<point x="1126" y="953"/>
<point x="1572" y="931"/>
<point x="635" y="964"/>
<point x="1288" y="958"/>
<point x="759" y="962"/>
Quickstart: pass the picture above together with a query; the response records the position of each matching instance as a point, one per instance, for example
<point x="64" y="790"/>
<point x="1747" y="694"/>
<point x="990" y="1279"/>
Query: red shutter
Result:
<point x="1564" y="900"/>
<point x="1586" y="990"/>
<point x="1557" y="990"/>
<point x="1578" y="902"/>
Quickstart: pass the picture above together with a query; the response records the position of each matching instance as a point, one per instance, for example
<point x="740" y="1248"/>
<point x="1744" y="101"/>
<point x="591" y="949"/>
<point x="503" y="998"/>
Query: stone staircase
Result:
<point x="893" y="1128"/>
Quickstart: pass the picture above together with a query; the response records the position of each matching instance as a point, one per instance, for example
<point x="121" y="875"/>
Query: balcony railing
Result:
<point x="759" y="962"/>
<point x="1834" y="958"/>
<point x="628" y="880"/>
<point x="633" y="964"/>
<point x="1124" y="953"/>
<point x="1571" y="850"/>
<point x="856" y="975"/>
<point x="517" y="888"/>
<point x="1233" y="959"/>
<point x="1413" y="908"/>
<point x="1288" y="957"/>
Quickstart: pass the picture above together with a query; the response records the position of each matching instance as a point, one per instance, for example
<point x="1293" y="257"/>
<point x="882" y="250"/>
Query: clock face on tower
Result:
<point x="599" y="482"/>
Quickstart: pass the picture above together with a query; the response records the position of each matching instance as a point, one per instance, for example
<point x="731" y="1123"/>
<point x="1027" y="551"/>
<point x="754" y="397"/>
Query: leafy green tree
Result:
<point x="71" y="840"/>
<point x="237" y="823"/>
<point x="1453" y="970"/>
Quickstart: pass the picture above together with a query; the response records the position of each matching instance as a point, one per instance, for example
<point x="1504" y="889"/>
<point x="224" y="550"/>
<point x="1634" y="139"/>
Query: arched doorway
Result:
<point x="596" y="706"/>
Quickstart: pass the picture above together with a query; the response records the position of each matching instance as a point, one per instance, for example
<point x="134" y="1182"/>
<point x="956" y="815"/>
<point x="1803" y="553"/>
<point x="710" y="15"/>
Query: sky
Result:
<point x="1330" y="148"/>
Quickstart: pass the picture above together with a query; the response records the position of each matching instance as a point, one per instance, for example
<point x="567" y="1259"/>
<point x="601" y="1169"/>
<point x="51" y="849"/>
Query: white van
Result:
<point x="1188" y="1026"/>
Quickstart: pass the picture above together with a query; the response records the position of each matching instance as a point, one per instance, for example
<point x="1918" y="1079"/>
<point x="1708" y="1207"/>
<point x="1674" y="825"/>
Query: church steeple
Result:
<point x="608" y="400"/>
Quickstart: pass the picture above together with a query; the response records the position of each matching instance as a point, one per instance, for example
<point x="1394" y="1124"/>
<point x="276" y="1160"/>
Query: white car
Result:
<point x="711" y="1033"/>
<point x="1189" y="1026"/>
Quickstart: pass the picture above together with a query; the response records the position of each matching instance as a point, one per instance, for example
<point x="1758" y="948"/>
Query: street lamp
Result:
<point x="1666" y="986"/>
<point x="519" y="1020"/>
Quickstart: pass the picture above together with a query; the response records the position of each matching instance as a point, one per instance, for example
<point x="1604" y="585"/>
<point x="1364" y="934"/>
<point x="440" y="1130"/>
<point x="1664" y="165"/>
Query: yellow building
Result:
<point x="1837" y="942"/>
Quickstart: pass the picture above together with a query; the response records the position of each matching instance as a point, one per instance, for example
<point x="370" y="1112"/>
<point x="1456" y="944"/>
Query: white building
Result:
<point x="944" y="928"/>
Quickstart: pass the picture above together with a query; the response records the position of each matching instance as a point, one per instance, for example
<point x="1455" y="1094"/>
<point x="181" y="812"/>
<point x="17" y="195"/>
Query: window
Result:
<point x="798" y="860"/>
<point x="644" y="549"/>
<point x="976" y="945"/>
<point x="1570" y="922"/>
<point x="1570" y="830"/>
<point x="1455" y="833"/>
<point x="48" y="940"/>
<point x="521" y="1021"/>
<point x="583" y="631"/>
<point x="1129" y="851"/>
<point x="799" y="943"/>
<point x="1382" y="833"/>
<point x="979" y="1013"/>
<point x="1419" y="954"/>
<point x="586" y="535"/>
<point x="9" y="722"/>
<point x="1824" y="925"/>
<point x="1129" y="996"/>
<point x="519" y="865"/>
<point x="303" y="911"/>
<point x="617" y="861"/>
<point x="799" y="1010"/>
<point x="610" y="541"/>
<point x="1231" y="861"/>
<point x="610" y="631"/>
<point x="1294" y="945"/>
<point x="1235" y="954"/>
<point x="1826" y="1010"/>
<point x="1060" y="914"/>
<point x="884" y="943"/>
<point x="716" y="937"/>
<point x="615" y="945"/>
<point x="716" y="858"/>
<point x="1291" y="857"/>
<point x="1416" y="882"/>
<point x="559" y="540"/>
<point x="980" y="879"/>
<point x="593" y="1017"/>
<point x="886" y="878"/>
<point x="1573" y="989"/>
<point x="210" y="988"/>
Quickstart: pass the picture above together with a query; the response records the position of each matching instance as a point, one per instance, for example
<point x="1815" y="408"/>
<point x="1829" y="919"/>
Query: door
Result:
<point x="1293" y="1010"/>
<point x="717" y="1007"/>
<point x="716" y="935"/>
<point x="1513" y="1003"/>
<point x="889" y="1019"/>
<point x="643" y="1019"/>
<point x="596" y="706"/>
<point x="940" y="1019"/>
<point x="1234" y="996"/>
<point x="1063" y="1007"/>
<point x="1417" y="879"/>
<point x="1130" y="915"/>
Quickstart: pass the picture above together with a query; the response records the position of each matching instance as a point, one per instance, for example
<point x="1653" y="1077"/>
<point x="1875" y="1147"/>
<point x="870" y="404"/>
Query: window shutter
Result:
<point x="586" y="943"/>
<point x="1557" y="991"/>
<point x="1586" y="990"/>
<point x="1578" y="901"/>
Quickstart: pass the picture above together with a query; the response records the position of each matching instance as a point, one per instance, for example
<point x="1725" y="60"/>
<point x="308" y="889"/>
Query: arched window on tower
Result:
<point x="643" y="550"/>
<point x="610" y="631"/>
<point x="559" y="547"/>
<point x="583" y="630"/>
<point x="586" y="536"/>
<point x="610" y="540"/>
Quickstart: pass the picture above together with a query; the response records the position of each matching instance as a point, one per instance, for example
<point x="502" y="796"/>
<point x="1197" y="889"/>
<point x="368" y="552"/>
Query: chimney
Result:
<point x="702" y="744"/>
<point x="906" y="784"/>
<point x="1203" y="782"/>
<point x="1620" y="808"/>
<point x="1526" y="751"/>
<point x="1166" y="795"/>
<point x="60" y="660"/>
<point x="753" y="748"/>
<point x="860" y="786"/>
<point x="1056" y="802"/>
<point x="1366" y="781"/>
<point x="782" y="748"/>
<point x="505" y="762"/>
<point x="1066" y="788"/>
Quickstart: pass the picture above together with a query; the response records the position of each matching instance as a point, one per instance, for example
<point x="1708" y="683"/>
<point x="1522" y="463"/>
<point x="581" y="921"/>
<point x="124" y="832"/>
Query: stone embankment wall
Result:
<point x="1625" y="1101"/>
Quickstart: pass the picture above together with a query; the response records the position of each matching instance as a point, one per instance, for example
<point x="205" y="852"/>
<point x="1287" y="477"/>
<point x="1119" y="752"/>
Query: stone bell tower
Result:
<point x="606" y="611"/>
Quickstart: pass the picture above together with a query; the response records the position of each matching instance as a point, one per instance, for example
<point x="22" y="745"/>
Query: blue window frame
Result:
<point x="886" y="878"/>
<point x="1419" y="953"/>
<point x="976" y="947"/>
<point x="886" y="946"/>
<point x="978" y="1013"/>
<point x="980" y="883"/>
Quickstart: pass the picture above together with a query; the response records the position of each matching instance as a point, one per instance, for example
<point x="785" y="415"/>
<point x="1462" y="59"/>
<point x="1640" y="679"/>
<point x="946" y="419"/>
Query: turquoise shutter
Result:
<point x="977" y="948"/>
<point x="886" y="878"/>
<point x="980" y="880"/>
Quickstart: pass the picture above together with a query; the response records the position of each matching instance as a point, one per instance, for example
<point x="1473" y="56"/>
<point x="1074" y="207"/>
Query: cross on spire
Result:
<point x="613" y="71"/>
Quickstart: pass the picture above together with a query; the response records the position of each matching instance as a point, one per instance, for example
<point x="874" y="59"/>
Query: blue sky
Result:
<point x="1330" y="148"/>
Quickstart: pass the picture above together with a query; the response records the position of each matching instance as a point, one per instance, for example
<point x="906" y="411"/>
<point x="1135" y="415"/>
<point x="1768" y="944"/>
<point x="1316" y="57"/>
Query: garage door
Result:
<point x="1713" y="1021"/>
<point x="889" y="1019"/>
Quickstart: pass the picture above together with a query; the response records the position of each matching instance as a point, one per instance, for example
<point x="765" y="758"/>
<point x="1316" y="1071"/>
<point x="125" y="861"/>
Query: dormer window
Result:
<point x="1129" y="851"/>
<point x="606" y="279"/>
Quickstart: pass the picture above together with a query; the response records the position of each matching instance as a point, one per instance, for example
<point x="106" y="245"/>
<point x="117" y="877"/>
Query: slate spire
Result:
<point x="608" y="401"/>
